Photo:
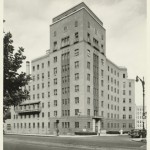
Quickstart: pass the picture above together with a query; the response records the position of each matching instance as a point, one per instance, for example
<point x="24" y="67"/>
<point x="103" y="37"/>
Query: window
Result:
<point x="55" y="81"/>
<point x="124" y="100"/>
<point x="48" y="124"/>
<point x="33" y="87"/>
<point x="38" y="77"/>
<point x="48" y="94"/>
<point x="42" y="95"/>
<point x="88" y="65"/>
<point x="65" y="28"/>
<point x="76" y="100"/>
<point x="88" y="24"/>
<point x="55" y="102"/>
<point x="124" y="109"/>
<point x="124" y="92"/>
<point x="88" y="38"/>
<point x="42" y="85"/>
<point x="76" y="24"/>
<point x="129" y="108"/>
<point x="38" y="96"/>
<point x="102" y="93"/>
<point x="76" y="64"/>
<point x="65" y="42"/>
<point x="33" y="78"/>
<point x="55" y="46"/>
<point x="124" y="116"/>
<point x="124" y="125"/>
<point x="76" y="76"/>
<point x="48" y="104"/>
<point x="88" y="112"/>
<point x="102" y="73"/>
<point x="95" y="42"/>
<point x="88" y="100"/>
<point x="38" y="67"/>
<point x="48" y="84"/>
<point x="76" y="40"/>
<point x="88" y="77"/>
<point x="129" y="92"/>
<point x="55" y="59"/>
<point x="76" y="88"/>
<point x="42" y="114"/>
<point x="88" y="88"/>
<point x="76" y="111"/>
<point x="33" y="96"/>
<point x="130" y="116"/>
<point x="54" y="33"/>
<point x="76" y="52"/>
<point x="48" y="74"/>
<point x="124" y="84"/>
<point x="102" y="82"/>
<point x="88" y="125"/>
<point x="129" y="84"/>
<point x="38" y="86"/>
<point x="102" y="103"/>
<point x="42" y="124"/>
<point x="123" y="75"/>
<point x="129" y="100"/>
<point x="55" y="91"/>
<point x="42" y="76"/>
<point x="88" y="52"/>
<point x="33" y="68"/>
<point x="55" y="70"/>
<point x="42" y="65"/>
<point x="76" y="124"/>
<point x="55" y="113"/>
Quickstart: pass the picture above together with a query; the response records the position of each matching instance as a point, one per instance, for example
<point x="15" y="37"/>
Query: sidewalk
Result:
<point x="52" y="135"/>
<point x="139" y="140"/>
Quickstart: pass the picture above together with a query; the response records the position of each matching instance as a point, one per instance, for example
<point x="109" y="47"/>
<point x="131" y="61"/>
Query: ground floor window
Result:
<point x="76" y="124"/>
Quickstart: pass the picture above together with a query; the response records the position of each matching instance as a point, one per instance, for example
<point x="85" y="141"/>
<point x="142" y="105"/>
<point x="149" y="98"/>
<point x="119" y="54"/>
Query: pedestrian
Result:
<point x="99" y="132"/>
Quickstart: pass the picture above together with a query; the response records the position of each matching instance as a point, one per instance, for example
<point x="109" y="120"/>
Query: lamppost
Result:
<point x="143" y="86"/>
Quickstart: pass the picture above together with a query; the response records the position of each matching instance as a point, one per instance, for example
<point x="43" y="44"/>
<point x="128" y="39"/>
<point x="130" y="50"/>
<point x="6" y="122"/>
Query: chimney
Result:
<point x="27" y="67"/>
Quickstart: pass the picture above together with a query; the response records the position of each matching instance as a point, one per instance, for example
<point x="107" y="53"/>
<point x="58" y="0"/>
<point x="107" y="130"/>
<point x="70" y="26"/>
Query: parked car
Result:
<point x="136" y="133"/>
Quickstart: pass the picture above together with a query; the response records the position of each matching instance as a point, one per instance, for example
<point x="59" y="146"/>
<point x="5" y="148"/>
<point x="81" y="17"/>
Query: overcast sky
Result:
<point x="124" y="21"/>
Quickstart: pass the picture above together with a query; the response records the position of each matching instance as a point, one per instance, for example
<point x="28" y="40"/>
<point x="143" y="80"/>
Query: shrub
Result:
<point x="85" y="133"/>
<point x="113" y="132"/>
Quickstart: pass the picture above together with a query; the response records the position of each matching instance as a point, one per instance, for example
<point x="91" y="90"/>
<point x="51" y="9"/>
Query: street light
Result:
<point x="143" y="86"/>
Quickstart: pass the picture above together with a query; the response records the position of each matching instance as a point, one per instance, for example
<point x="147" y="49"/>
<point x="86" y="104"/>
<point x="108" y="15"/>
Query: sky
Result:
<point x="124" y="21"/>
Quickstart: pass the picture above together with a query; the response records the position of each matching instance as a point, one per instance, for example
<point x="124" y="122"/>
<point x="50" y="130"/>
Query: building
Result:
<point x="74" y="85"/>
<point x="139" y="118"/>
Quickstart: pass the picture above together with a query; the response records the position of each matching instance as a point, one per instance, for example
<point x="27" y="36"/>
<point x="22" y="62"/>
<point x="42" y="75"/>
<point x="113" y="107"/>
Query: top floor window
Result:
<point x="65" y="28"/>
<point x="42" y="65"/>
<point x="38" y="67"/>
<point x="88" y="24"/>
<point x="33" y="68"/>
<point x="88" y="65"/>
<point x="55" y="59"/>
<point x="55" y="45"/>
<point x="54" y="33"/>
<point x="129" y="84"/>
<point x="76" y="24"/>
<point x="124" y="75"/>
<point x="88" y="38"/>
<point x="65" y="41"/>
<point x="76" y="52"/>
<point x="76" y="37"/>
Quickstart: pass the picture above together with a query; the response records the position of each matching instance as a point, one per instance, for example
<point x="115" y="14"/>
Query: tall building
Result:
<point x="139" y="118"/>
<point x="74" y="85"/>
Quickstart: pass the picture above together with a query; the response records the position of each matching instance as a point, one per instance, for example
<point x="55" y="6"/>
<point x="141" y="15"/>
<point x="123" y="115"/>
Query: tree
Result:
<point x="14" y="90"/>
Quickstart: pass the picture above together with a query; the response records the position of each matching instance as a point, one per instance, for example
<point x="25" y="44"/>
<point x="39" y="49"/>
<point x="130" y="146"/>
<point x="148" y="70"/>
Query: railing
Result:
<point x="34" y="110"/>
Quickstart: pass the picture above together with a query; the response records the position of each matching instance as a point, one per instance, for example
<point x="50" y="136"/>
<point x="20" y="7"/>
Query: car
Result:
<point x="137" y="133"/>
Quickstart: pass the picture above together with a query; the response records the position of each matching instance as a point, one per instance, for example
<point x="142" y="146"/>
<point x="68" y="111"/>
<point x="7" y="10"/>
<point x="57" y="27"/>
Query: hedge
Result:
<point x="85" y="133"/>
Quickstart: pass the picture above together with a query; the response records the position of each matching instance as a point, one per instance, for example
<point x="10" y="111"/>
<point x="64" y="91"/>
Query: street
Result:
<point x="20" y="142"/>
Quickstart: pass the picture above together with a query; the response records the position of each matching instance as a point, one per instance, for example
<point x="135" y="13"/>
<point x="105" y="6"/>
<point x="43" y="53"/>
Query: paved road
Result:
<point x="18" y="142"/>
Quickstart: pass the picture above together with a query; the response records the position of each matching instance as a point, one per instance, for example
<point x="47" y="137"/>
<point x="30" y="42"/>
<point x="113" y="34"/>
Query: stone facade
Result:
<point x="74" y="86"/>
